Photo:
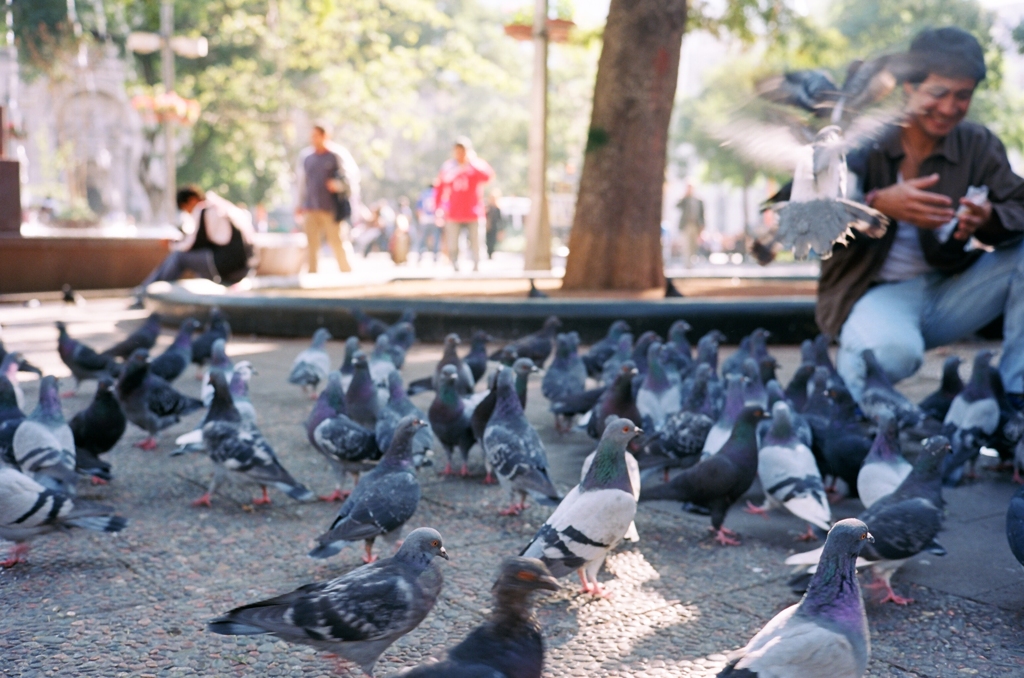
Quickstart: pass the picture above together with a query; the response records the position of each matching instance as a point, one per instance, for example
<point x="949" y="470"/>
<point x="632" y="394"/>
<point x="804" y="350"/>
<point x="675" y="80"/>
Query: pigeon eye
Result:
<point x="863" y="537"/>
<point x="625" y="429"/>
<point x="526" y="575"/>
<point x="434" y="543"/>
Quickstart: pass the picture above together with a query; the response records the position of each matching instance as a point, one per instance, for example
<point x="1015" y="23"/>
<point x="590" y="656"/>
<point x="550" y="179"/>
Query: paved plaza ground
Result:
<point x="136" y="604"/>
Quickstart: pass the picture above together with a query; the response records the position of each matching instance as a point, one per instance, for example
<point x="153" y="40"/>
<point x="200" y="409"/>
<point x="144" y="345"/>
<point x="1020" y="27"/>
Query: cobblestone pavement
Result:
<point x="136" y="604"/>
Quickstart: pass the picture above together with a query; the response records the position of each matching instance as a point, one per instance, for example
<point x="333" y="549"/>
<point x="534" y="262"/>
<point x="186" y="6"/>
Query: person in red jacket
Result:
<point x="457" y="196"/>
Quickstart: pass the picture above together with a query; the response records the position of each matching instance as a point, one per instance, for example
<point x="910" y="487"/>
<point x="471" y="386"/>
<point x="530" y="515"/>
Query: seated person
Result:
<point x="217" y="247"/>
<point x="921" y="285"/>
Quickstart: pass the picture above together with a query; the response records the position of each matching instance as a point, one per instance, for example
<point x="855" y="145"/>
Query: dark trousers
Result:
<point x="175" y="264"/>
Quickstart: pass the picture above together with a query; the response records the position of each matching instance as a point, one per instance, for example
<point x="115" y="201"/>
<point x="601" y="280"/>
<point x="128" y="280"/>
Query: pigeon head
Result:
<point x="104" y="385"/>
<point x="624" y="348"/>
<point x="819" y="381"/>
<point x="807" y="352"/>
<point x="359" y="362"/>
<point x="609" y="468"/>
<point x="401" y="443"/>
<point x="524" y="366"/>
<point x="775" y="392"/>
<point x="452" y="340"/>
<point x="408" y="316"/>
<point x="766" y="367"/>
<point x="421" y="546"/>
<point x="929" y="463"/>
<point x="887" y="441"/>
<point x="185" y="331"/>
<point x="523" y="576"/>
<point x="707" y="350"/>
<point x="351" y="346"/>
<point x="218" y="353"/>
<point x="574" y="339"/>
<point x="782" y="422"/>
<point x="552" y="324"/>
<point x="981" y="384"/>
<point x="321" y="337"/>
<point x="506" y="380"/>
<point x="617" y="328"/>
<point x="641" y="348"/>
<point x="833" y="592"/>
<point x="381" y="346"/>
<point x="677" y="332"/>
<point x="449" y="374"/>
<point x="480" y="338"/>
<point x="402" y="334"/>
<point x="508" y="355"/>
<point x="951" y="383"/>
<point x="628" y="370"/>
<point x="49" y="408"/>
<point x="239" y="385"/>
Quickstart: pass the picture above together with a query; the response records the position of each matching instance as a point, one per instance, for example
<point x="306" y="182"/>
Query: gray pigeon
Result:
<point x="219" y="362"/>
<point x="358" y="615"/>
<point x="82" y="360"/>
<point x="594" y="516"/>
<point x="879" y="395"/>
<point x="789" y="474"/>
<point x="398" y="407"/>
<point x="381" y="361"/>
<point x="349" y="447"/>
<point x="450" y="418"/>
<point x="565" y="376"/>
<point x="382" y="501"/>
<point x="1015" y="525"/>
<point x="623" y="352"/>
<point x="936" y="404"/>
<point x="243" y="450"/>
<point x="312" y="365"/>
<point x="973" y="418"/>
<point x="347" y="368"/>
<point x="43" y="445"/>
<point x="361" y="402"/>
<point x="826" y="633"/>
<point x="171" y="363"/>
<point x="27" y="509"/>
<point x="722" y="429"/>
<point x="239" y="388"/>
<point x="884" y="468"/>
<point x="753" y="388"/>
<point x="513" y="450"/>
<point x="658" y="396"/>
<point x="150" y="402"/>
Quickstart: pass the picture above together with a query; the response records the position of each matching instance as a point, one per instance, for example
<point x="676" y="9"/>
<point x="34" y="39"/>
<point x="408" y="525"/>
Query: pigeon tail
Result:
<point x="228" y="627"/>
<point x="100" y="523"/>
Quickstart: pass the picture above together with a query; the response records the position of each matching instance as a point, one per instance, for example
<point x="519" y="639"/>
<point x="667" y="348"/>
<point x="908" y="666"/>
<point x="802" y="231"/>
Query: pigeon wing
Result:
<point x="901" y="529"/>
<point x="790" y="645"/>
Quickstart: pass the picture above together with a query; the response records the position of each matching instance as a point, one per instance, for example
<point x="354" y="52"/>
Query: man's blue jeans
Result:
<point x="899" y="321"/>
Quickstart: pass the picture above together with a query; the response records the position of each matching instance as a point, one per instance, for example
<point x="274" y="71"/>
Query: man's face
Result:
<point x="459" y="153"/>
<point x="938" y="104"/>
<point x="190" y="204"/>
<point x="317" y="137"/>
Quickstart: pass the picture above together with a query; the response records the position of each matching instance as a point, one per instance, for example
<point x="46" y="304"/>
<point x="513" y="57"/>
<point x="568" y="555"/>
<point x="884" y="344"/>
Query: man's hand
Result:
<point x="909" y="202"/>
<point x="335" y="185"/>
<point x="299" y="212"/>
<point x="972" y="217"/>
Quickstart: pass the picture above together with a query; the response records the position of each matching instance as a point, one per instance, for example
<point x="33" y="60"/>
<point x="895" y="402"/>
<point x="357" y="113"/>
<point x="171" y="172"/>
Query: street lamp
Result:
<point x="169" y="45"/>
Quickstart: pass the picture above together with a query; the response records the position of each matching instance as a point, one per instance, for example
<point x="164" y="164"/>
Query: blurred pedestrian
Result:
<point x="457" y="198"/>
<point x="494" y="222"/>
<point x="691" y="223"/>
<point x="328" y="182"/>
<point x="427" y="227"/>
<point x="217" y="243"/>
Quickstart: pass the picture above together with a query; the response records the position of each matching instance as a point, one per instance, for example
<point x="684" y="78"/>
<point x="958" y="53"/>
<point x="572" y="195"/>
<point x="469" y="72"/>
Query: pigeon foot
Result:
<point x="17" y="556"/>
<point x="203" y="501"/>
<point x="756" y="510"/>
<point x="489" y="479"/>
<point x="1016" y="477"/>
<point x="337" y="495"/>
<point x="890" y="595"/>
<point x="262" y="500"/>
<point x="512" y="510"/>
<point x="69" y="394"/>
<point x="808" y="535"/>
<point x="147" y="444"/>
<point x="464" y="472"/>
<point x="447" y="470"/>
<point x="369" y="558"/>
<point x="96" y="480"/>
<point x="722" y="536"/>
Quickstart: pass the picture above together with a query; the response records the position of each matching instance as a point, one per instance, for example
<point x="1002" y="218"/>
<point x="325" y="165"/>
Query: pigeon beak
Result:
<point x="444" y="554"/>
<point x="639" y="431"/>
<point x="870" y="538"/>
<point x="547" y="583"/>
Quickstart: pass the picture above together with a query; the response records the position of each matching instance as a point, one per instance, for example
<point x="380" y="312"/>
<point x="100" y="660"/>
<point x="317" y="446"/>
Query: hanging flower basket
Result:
<point x="558" y="30"/>
<point x="166" y="106"/>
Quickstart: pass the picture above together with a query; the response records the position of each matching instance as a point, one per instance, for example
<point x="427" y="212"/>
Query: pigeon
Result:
<point x="826" y="633"/>
<point x="671" y="291"/>
<point x="27" y="509"/>
<point x="43" y="446"/>
<point x="9" y="371"/>
<point x="23" y="365"/>
<point x="523" y="368"/>
<point x="148" y="401"/>
<point x="239" y="387"/>
<point x="679" y="354"/>
<point x="789" y="474"/>
<point x="716" y="482"/>
<point x="330" y="403"/>
<point x="358" y="615"/>
<point x="604" y="349"/>
<point x="219" y="363"/>
<point x="143" y="337"/>
<point x="566" y="376"/>
<point x="617" y="400"/>
<point x="368" y="328"/>
<point x="450" y="356"/>
<point x="879" y="394"/>
<point x="936" y="404"/>
<point x="973" y="417"/>
<point x="843" y="441"/>
<point x="397" y="408"/>
<point x="884" y="468"/>
<point x="640" y="350"/>
<point x="632" y="470"/>
<point x="82" y="360"/>
<point x="361" y="400"/>
<point x="218" y="328"/>
<point x="723" y="428"/>
<point x="509" y="644"/>
<point x="381" y="360"/>
<point x="402" y="335"/>
<point x="681" y="440"/>
<point x="450" y="419"/>
<point x="537" y="346"/>
<point x="242" y="450"/>
<point x="1015" y="525"/>
<point x="796" y="389"/>
<point x="535" y="293"/>
<point x="734" y="363"/>
<point x="311" y="366"/>
<point x="382" y="501"/>
<point x="476" y="359"/>
<point x="753" y="387"/>
<point x="171" y="363"/>
<point x="594" y="516"/>
<point x="349" y="446"/>
<point x="623" y="352"/>
<point x="513" y="450"/>
<point x="903" y="523"/>
<point x="96" y="430"/>
<point x="658" y="396"/>
<point x="9" y="409"/>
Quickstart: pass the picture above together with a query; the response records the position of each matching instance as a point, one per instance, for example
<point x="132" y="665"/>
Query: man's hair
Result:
<point x="323" y="128"/>
<point x="949" y="52"/>
<point x="464" y="142"/>
<point x="187" y="193"/>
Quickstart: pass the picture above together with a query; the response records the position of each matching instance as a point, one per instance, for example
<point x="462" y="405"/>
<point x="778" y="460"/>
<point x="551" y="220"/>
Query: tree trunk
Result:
<point x="616" y="234"/>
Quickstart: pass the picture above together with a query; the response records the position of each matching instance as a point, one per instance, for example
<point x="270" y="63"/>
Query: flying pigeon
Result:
<point x="789" y="474"/>
<point x="358" y="615"/>
<point x="202" y="346"/>
<point x="476" y="359"/>
<point x="884" y="468"/>
<point x="594" y="516"/>
<point x="658" y="396"/>
<point x="565" y="376"/>
<point x="43" y="446"/>
<point x="513" y="450"/>
<point x="171" y="363"/>
<point x="1015" y="525"/>
<point x="450" y="419"/>
<point x="361" y="401"/>
<point x="617" y="400"/>
<point x="312" y="365"/>
<point x="879" y="394"/>
<point x="826" y="633"/>
<point x="936" y="405"/>
<point x="96" y="430"/>
<point x="82" y="360"/>
<point x="973" y="417"/>
<point x="219" y="363"/>
<point x="143" y="337"/>
<point x="723" y="428"/>
<point x="718" y="481"/>
<point x="27" y="509"/>
<point x="382" y="501"/>
<point x="537" y="346"/>
<point x="523" y="368"/>
<point x="604" y="349"/>
<point x="242" y="450"/>
<point x="148" y="401"/>
<point x="509" y="644"/>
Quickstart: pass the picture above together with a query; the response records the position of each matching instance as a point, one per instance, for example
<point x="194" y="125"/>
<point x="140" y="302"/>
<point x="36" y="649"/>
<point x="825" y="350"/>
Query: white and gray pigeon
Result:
<point x="884" y="468"/>
<point x="43" y="445"/>
<point x="513" y="450"/>
<point x="311" y="366"/>
<point x="659" y="396"/>
<point x="358" y="615"/>
<point x="972" y="419"/>
<point x="242" y="450"/>
<point x="754" y="392"/>
<point x="594" y="516"/>
<point x="239" y="388"/>
<point x="27" y="510"/>
<point x="789" y="473"/>
<point x="219" y="362"/>
<point x="722" y="429"/>
<point x="633" y="470"/>
<point x="382" y="501"/>
<point x="826" y="633"/>
<point x="879" y="395"/>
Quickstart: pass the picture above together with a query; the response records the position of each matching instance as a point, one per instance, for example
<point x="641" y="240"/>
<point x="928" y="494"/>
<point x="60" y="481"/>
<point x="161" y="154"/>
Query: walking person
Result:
<point x="691" y="224"/>
<point x="328" y="183"/>
<point x="427" y="224"/>
<point x="457" y="199"/>
<point x="494" y="220"/>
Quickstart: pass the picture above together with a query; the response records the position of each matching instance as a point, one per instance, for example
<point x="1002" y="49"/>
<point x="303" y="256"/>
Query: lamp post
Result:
<point x="538" y="228"/>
